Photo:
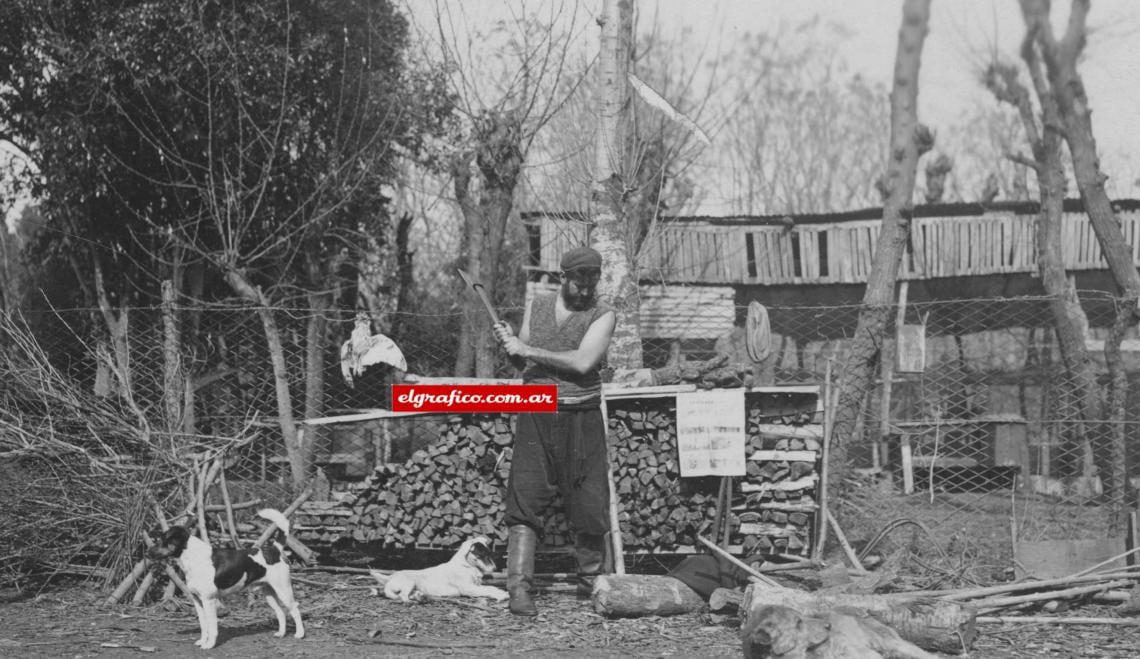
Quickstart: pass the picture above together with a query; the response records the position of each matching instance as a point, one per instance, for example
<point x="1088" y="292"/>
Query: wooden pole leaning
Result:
<point x="617" y="546"/>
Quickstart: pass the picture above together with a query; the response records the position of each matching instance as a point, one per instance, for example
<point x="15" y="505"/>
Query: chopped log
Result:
<point x="634" y="595"/>
<point x="725" y="600"/>
<point x="934" y="625"/>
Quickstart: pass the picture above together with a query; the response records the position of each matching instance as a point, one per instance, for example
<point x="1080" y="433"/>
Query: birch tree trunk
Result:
<point x="1060" y="58"/>
<point x="610" y="237"/>
<point x="909" y="140"/>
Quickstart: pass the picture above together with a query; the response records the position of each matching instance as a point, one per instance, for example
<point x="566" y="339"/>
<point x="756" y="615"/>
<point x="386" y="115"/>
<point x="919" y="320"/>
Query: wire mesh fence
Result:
<point x="983" y="444"/>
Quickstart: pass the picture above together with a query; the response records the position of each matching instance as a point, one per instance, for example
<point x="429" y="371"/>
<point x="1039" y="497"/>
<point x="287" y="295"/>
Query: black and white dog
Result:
<point x="462" y="575"/>
<point x="215" y="571"/>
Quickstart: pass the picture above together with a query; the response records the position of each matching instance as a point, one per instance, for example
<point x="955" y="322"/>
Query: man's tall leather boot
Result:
<point x="521" y="542"/>
<point x="593" y="555"/>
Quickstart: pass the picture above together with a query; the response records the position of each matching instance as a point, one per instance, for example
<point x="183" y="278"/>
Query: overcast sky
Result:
<point x="961" y="33"/>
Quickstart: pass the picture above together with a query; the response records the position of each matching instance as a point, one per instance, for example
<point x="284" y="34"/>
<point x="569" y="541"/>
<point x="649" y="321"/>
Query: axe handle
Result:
<point x="486" y="302"/>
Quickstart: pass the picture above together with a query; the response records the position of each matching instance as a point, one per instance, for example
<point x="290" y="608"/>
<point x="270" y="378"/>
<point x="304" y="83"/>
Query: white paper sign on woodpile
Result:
<point x="710" y="433"/>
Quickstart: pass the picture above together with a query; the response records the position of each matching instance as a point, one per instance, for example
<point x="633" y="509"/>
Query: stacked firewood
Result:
<point x="647" y="478"/>
<point x="775" y="504"/>
<point x="779" y="507"/>
<point x="445" y="493"/>
<point x="321" y="522"/>
<point x="454" y="488"/>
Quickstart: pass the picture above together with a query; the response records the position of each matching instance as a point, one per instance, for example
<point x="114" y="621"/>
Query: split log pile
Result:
<point x="321" y="522"/>
<point x="446" y="492"/>
<point x="775" y="504"/>
<point x="454" y="488"/>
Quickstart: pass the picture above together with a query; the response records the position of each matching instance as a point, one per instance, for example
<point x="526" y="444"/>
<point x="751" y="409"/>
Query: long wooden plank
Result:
<point x="917" y="266"/>
<point x="836" y="254"/>
<point x="975" y="247"/>
<point x="869" y="253"/>
<point x="770" y="272"/>
<point x="809" y="255"/>
<point x="785" y="239"/>
<point x="994" y="251"/>
<point x="962" y="242"/>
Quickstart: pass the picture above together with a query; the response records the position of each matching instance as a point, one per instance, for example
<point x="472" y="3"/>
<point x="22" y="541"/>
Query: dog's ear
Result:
<point x="169" y="543"/>
<point x="815" y="631"/>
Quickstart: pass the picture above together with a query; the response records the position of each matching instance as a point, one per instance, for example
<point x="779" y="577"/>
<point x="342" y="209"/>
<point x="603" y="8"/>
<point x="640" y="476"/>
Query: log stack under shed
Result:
<point x="773" y="507"/>
<point x="454" y="488"/>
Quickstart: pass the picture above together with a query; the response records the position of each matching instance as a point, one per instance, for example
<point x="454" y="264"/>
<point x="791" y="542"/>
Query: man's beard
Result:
<point x="578" y="302"/>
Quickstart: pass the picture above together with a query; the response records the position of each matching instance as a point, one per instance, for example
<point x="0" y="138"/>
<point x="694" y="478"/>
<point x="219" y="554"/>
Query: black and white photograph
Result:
<point x="570" y="328"/>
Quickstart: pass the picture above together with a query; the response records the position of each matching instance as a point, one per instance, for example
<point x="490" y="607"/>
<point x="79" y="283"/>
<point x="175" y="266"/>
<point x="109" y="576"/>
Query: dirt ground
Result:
<point x="345" y="619"/>
<point x="342" y="618"/>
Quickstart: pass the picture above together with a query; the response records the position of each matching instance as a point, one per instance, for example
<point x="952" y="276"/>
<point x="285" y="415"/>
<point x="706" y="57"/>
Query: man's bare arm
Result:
<point x="581" y="360"/>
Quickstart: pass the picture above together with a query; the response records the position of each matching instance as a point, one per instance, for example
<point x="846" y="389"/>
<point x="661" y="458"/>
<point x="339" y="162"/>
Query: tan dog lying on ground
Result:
<point x="780" y="632"/>
<point x="462" y="575"/>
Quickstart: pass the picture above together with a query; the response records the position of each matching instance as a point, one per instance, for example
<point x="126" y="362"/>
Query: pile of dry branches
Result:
<point x="78" y="476"/>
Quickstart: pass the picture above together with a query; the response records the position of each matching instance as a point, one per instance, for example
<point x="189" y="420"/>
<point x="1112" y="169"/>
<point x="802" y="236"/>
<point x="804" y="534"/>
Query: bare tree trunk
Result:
<point x="471" y="259"/>
<point x="498" y="157"/>
<point x="610" y="236"/>
<point x="296" y="448"/>
<point x="119" y="361"/>
<point x="173" y="375"/>
<point x="1060" y="59"/>
<point x="496" y="206"/>
<point x="193" y="280"/>
<point x="405" y="276"/>
<point x="7" y="279"/>
<point x="1069" y="319"/>
<point x="909" y="140"/>
<point x="316" y="332"/>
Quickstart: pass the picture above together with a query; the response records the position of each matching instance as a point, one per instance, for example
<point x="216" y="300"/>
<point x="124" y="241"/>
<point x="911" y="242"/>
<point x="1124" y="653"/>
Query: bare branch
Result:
<point x="1025" y="161"/>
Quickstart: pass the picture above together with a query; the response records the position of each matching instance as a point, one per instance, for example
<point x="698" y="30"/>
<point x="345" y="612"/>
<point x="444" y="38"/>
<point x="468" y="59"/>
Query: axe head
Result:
<point x="481" y="291"/>
<point x="468" y="279"/>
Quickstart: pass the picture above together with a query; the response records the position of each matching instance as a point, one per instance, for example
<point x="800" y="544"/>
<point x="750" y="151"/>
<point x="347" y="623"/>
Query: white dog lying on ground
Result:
<point x="462" y="575"/>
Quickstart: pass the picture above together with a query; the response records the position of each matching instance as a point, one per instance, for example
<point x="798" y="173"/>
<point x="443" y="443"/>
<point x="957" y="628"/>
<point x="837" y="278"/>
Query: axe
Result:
<point x="476" y="286"/>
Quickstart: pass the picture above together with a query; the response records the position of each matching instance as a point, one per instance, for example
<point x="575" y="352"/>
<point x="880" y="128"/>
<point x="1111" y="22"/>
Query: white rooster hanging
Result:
<point x="363" y="349"/>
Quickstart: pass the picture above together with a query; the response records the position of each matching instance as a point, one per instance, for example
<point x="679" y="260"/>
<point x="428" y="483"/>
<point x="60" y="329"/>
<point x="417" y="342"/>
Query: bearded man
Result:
<point x="562" y="341"/>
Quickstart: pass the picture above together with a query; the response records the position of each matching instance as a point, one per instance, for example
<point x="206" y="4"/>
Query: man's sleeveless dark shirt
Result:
<point x="546" y="333"/>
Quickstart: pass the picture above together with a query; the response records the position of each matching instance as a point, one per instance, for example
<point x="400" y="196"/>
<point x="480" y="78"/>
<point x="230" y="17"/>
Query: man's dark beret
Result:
<point x="581" y="258"/>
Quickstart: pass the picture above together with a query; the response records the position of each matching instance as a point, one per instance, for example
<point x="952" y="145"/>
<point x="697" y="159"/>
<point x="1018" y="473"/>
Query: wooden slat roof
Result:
<point x="946" y="240"/>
